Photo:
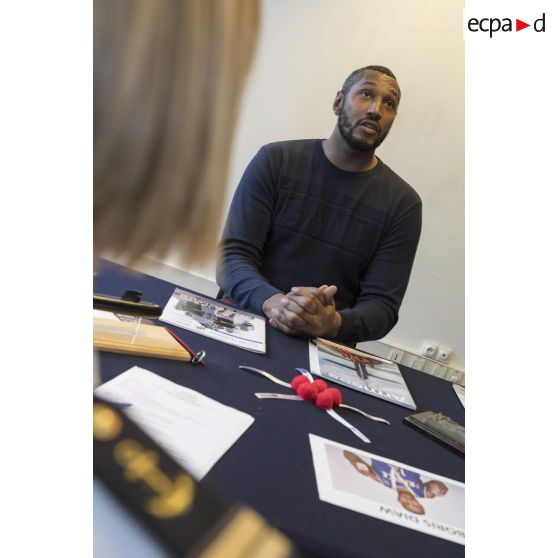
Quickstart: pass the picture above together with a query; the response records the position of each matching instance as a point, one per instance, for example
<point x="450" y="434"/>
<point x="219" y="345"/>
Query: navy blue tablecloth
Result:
<point x="270" y="467"/>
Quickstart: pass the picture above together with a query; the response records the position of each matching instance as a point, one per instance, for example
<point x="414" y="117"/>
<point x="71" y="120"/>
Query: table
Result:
<point x="270" y="466"/>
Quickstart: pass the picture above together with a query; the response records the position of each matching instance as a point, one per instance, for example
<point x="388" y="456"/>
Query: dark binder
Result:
<point x="189" y="518"/>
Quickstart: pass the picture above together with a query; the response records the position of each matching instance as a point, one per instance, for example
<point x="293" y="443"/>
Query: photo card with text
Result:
<point x="388" y="490"/>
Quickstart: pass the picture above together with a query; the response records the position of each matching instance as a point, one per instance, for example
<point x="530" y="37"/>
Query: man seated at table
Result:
<point x="321" y="234"/>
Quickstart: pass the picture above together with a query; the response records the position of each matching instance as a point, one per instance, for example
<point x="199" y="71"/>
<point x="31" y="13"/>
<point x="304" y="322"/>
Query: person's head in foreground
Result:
<point x="168" y="75"/>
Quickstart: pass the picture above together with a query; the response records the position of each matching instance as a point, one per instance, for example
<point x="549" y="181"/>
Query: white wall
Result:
<point x="307" y="48"/>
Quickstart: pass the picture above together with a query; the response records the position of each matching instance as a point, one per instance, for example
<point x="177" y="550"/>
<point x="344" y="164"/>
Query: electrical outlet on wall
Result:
<point x="429" y="349"/>
<point x="443" y="354"/>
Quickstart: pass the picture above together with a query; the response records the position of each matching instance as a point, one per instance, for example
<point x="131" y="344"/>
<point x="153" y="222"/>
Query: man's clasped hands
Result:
<point x="305" y="311"/>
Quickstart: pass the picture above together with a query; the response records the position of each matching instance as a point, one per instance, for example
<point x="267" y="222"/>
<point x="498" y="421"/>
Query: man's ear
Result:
<point x="338" y="103"/>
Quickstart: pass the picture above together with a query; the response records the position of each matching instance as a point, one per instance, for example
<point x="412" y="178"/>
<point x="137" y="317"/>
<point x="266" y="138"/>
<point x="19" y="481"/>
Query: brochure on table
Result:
<point x="192" y="428"/>
<point x="359" y="370"/>
<point x="389" y="490"/>
<point x="218" y="321"/>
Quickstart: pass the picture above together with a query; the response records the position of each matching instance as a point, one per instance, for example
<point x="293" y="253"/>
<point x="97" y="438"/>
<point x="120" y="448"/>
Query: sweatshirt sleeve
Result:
<point x="383" y="286"/>
<point x="245" y="233"/>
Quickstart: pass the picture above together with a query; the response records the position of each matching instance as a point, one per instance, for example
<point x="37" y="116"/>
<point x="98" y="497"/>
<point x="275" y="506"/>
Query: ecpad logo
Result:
<point x="493" y="25"/>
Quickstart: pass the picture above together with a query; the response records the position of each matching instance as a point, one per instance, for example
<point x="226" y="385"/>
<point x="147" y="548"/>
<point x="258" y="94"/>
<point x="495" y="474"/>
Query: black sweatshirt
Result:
<point x="298" y="220"/>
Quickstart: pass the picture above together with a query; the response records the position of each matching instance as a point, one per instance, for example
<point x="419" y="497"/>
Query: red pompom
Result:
<point x="321" y="385"/>
<point x="336" y="396"/>
<point x="325" y="400"/>
<point x="299" y="380"/>
<point x="307" y="391"/>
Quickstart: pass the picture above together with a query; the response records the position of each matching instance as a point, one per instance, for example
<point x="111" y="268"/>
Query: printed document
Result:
<point x="194" y="429"/>
<point x="213" y="319"/>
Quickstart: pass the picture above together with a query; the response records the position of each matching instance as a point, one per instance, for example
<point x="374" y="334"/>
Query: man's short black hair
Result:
<point x="357" y="74"/>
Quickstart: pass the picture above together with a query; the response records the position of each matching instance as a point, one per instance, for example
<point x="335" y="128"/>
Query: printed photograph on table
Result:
<point x="218" y="321"/>
<point x="389" y="490"/>
<point x="359" y="370"/>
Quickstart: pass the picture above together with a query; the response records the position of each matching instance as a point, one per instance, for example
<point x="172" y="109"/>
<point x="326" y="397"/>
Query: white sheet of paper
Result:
<point x="192" y="428"/>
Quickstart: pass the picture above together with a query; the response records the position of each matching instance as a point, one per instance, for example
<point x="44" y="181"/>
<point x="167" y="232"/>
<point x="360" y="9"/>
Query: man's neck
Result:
<point x="345" y="157"/>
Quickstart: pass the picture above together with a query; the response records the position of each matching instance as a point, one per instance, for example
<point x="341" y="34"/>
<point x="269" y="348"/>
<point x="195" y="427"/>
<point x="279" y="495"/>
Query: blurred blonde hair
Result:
<point x="168" y="75"/>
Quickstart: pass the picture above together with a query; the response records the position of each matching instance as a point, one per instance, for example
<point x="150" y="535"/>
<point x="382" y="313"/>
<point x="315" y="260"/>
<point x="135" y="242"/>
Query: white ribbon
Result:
<point x="354" y="430"/>
<point x="371" y="417"/>
<point x="330" y="412"/>
<point x="267" y="375"/>
<point x="278" y="396"/>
